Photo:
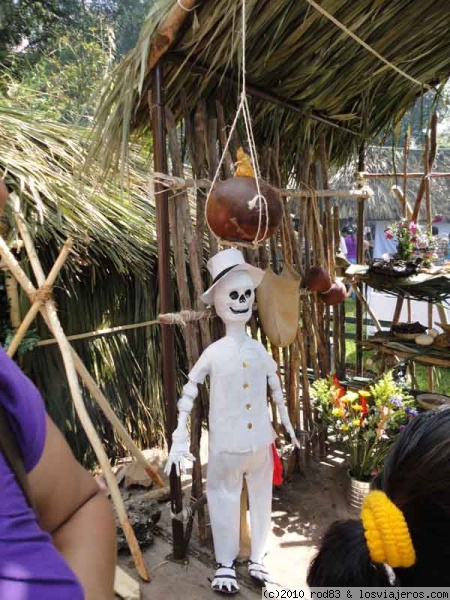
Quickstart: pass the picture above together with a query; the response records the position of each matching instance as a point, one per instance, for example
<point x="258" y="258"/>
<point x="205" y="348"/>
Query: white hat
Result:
<point x="223" y="263"/>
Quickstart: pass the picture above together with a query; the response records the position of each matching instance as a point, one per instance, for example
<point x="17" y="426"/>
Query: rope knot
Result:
<point x="43" y="294"/>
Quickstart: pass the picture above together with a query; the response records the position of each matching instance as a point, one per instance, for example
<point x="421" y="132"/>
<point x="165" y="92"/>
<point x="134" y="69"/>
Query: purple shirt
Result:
<point x="350" y="242"/>
<point x="31" y="568"/>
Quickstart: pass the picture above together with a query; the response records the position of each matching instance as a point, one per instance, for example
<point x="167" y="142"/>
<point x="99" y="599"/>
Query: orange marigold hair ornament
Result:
<point x="386" y="531"/>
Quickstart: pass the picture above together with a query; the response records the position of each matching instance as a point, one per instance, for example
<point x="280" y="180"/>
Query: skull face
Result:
<point x="234" y="297"/>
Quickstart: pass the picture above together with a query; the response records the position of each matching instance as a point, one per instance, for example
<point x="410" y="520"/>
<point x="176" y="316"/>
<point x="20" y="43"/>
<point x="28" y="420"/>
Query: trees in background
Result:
<point x="54" y="54"/>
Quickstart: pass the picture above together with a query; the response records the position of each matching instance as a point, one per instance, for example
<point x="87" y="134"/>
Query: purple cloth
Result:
<point x="350" y="242"/>
<point x="30" y="566"/>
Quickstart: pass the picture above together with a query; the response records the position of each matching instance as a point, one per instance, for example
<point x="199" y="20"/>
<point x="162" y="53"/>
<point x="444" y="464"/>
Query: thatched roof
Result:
<point x="42" y="162"/>
<point x="384" y="205"/>
<point x="305" y="74"/>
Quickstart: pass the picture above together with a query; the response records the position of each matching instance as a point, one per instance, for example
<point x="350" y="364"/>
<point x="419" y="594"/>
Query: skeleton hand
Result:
<point x="290" y="430"/>
<point x="179" y="452"/>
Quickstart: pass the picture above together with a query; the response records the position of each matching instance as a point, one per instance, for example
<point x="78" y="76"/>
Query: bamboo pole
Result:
<point x="40" y="299"/>
<point x="168" y="29"/>
<point x="158" y="122"/>
<point x="180" y="183"/>
<point x="227" y="164"/>
<point x="429" y="156"/>
<point x="337" y="313"/>
<point x="361" y="206"/>
<point x="51" y="318"/>
<point x="191" y="333"/>
<point x="12" y="294"/>
<point x="366" y="175"/>
<point x="103" y="403"/>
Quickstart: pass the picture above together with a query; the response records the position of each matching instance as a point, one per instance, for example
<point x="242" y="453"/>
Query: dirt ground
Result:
<point x="302" y="509"/>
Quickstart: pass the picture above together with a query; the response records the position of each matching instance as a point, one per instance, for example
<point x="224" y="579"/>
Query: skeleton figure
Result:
<point x="240" y="431"/>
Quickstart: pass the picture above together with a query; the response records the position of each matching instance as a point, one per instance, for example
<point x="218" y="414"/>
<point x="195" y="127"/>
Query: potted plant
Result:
<point x="363" y="424"/>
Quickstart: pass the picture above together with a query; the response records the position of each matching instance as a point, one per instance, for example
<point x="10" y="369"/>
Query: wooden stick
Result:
<point x="366" y="175"/>
<point x="191" y="333"/>
<point x="12" y="294"/>
<point x="366" y="305"/>
<point x="430" y="369"/>
<point x="51" y="318"/>
<point x="37" y="304"/>
<point x="429" y="157"/>
<point x="398" y="310"/>
<point x="424" y="359"/>
<point x="127" y="440"/>
<point x="168" y="29"/>
<point x="178" y="183"/>
<point x="405" y="168"/>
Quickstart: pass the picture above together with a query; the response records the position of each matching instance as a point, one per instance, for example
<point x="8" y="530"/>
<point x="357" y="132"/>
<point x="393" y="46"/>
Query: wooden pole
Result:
<point x="168" y="29"/>
<point x="403" y="175"/>
<point x="360" y="259"/>
<point x="166" y="299"/>
<point x="38" y="302"/>
<point x="181" y="225"/>
<point x="50" y="315"/>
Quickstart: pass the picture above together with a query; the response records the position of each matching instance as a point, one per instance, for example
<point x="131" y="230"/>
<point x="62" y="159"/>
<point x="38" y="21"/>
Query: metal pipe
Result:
<point x="166" y="297"/>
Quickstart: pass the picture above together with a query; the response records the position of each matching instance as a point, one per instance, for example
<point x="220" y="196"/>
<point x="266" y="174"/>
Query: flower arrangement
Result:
<point x="412" y="241"/>
<point x="364" y="423"/>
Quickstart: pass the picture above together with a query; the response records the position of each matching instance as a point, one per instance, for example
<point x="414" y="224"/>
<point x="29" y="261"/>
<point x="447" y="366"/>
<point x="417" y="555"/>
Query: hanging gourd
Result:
<point x="240" y="209"/>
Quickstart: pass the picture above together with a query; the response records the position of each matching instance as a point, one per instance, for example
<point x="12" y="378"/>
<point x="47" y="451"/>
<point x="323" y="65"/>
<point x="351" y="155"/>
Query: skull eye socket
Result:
<point x="248" y="293"/>
<point x="234" y="295"/>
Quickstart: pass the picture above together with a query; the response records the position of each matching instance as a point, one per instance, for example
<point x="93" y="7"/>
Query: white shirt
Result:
<point x="238" y="414"/>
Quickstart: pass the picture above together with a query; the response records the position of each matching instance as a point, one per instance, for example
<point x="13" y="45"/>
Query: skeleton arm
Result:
<point x="179" y="450"/>
<point x="277" y="394"/>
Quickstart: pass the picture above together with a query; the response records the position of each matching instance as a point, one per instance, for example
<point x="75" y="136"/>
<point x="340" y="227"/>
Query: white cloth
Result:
<point x="223" y="490"/>
<point x="239" y="418"/>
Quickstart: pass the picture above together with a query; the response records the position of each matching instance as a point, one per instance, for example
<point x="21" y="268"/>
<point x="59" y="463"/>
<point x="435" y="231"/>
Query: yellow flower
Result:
<point x="364" y="393"/>
<point x="356" y="407"/>
<point x="345" y="399"/>
<point x="338" y="412"/>
<point x="352" y="396"/>
<point x="355" y="422"/>
<point x="344" y="427"/>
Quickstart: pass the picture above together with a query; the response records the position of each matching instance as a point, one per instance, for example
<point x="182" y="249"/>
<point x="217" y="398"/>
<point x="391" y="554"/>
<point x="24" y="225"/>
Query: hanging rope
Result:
<point x="243" y="108"/>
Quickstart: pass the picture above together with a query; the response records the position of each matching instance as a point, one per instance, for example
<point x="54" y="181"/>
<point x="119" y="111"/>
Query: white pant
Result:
<point x="223" y="490"/>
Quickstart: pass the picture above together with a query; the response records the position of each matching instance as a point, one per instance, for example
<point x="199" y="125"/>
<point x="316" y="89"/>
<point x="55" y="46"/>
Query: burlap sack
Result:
<point x="278" y="305"/>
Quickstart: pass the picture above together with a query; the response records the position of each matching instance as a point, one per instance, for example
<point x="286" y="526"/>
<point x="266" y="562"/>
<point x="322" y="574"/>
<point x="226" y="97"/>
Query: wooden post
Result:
<point x="179" y="205"/>
<point x="166" y="299"/>
<point x="360" y="260"/>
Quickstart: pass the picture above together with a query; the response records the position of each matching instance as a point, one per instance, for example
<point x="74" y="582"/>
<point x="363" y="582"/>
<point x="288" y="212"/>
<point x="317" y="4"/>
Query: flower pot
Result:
<point x="358" y="490"/>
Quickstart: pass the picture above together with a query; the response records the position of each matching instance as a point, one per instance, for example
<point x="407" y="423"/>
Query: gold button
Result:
<point x="249" y="426"/>
<point x="248" y="406"/>
<point x="245" y="364"/>
<point x="245" y="386"/>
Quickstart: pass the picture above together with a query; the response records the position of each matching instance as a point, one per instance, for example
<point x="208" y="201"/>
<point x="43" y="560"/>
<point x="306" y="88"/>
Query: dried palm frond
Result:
<point x="110" y="280"/>
<point x="321" y="76"/>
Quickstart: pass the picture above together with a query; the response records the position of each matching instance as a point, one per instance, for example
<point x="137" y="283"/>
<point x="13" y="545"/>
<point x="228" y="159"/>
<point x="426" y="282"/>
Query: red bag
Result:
<point x="277" y="467"/>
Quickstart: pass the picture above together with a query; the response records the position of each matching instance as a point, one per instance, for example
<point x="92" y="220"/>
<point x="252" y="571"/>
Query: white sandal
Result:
<point x="259" y="573"/>
<point x="225" y="581"/>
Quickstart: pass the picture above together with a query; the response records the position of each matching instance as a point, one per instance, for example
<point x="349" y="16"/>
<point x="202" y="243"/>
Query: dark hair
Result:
<point x="343" y="559"/>
<point x="416" y="477"/>
<point x="348" y="230"/>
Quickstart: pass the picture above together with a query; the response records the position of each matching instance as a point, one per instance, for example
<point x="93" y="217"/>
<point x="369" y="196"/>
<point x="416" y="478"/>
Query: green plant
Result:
<point x="412" y="242"/>
<point x="364" y="423"/>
